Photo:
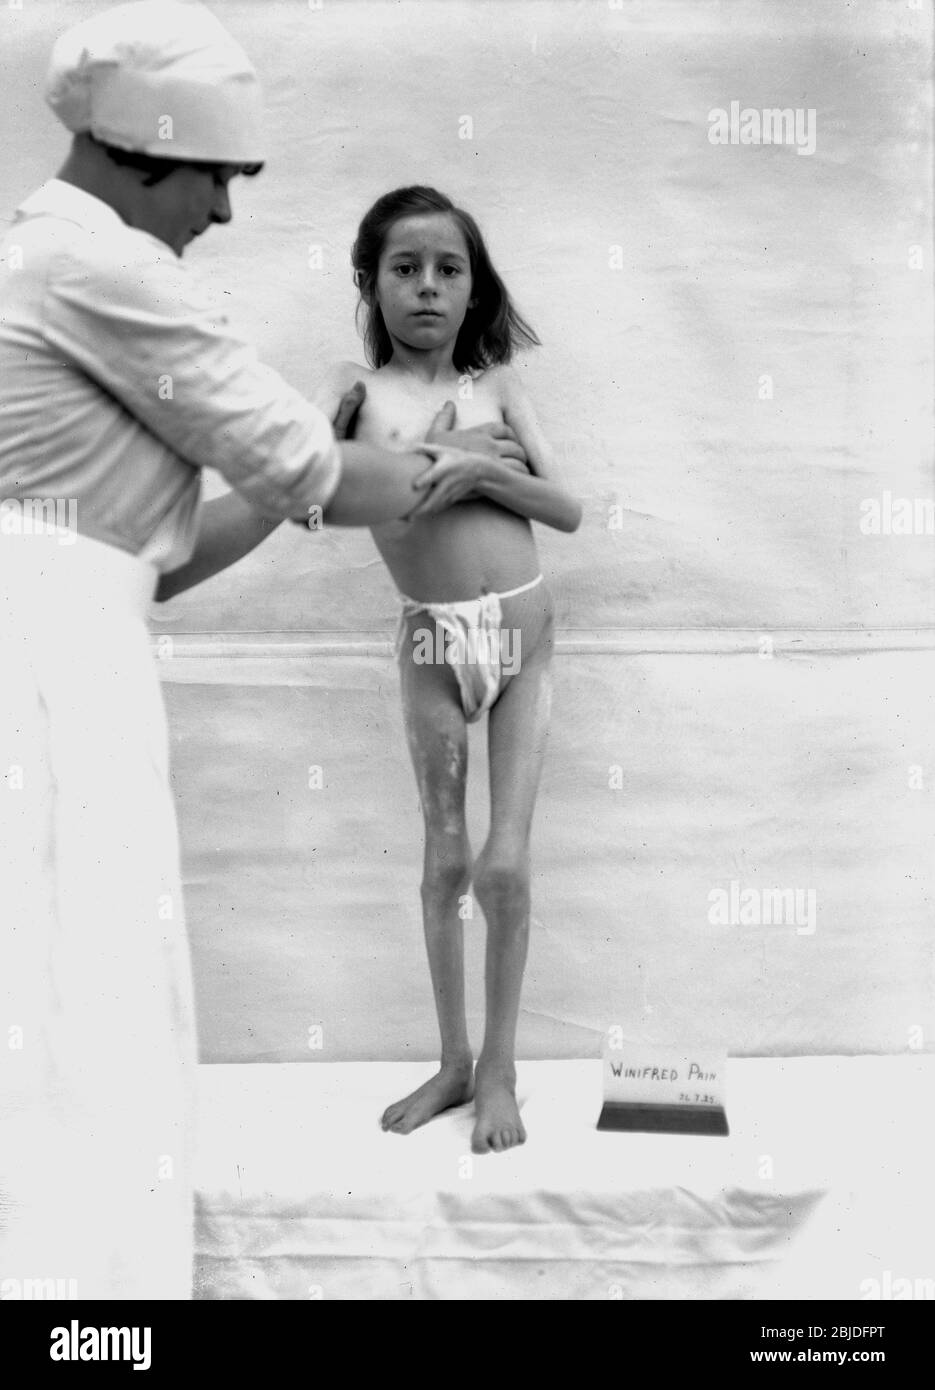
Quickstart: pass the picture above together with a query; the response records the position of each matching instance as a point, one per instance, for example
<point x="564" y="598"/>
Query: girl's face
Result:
<point x="424" y="280"/>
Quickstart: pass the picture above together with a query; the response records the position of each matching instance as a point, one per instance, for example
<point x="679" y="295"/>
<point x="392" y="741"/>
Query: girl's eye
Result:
<point x="451" y="270"/>
<point x="404" y="269"/>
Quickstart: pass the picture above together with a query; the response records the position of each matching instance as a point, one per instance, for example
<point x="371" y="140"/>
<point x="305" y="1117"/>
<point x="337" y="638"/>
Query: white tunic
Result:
<point x="97" y="1038"/>
<point x="121" y="378"/>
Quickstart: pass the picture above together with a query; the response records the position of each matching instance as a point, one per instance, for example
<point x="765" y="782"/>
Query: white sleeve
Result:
<point x="147" y="333"/>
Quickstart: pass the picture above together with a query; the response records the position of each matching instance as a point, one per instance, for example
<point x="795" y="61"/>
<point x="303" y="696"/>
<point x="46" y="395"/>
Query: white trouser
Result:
<point x="97" y="1039"/>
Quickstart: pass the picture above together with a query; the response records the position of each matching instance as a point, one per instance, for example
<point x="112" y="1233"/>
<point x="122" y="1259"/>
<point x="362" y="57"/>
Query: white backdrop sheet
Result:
<point x="304" y="903"/>
<point x="667" y="277"/>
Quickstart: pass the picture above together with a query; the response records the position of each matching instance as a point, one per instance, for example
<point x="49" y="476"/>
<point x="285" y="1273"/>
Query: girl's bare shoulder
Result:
<point x="342" y="375"/>
<point x="501" y="380"/>
<point x="337" y="380"/>
<point x="493" y="383"/>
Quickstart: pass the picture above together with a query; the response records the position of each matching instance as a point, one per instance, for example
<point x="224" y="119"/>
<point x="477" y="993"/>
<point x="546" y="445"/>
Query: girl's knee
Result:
<point x="501" y="878"/>
<point x="446" y="872"/>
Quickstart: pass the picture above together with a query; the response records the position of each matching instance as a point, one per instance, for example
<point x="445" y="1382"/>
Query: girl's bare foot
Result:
<point x="498" y="1126"/>
<point x="452" y="1085"/>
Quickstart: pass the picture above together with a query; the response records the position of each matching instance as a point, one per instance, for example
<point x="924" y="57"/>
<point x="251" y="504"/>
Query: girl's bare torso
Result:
<point x="474" y="546"/>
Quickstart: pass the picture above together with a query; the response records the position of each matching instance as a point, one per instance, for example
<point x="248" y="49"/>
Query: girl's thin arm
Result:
<point x="540" y="494"/>
<point x="529" y="496"/>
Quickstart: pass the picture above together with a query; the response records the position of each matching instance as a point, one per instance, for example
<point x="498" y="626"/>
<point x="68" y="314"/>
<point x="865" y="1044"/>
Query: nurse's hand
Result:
<point x="494" y="439"/>
<point x="345" y="420"/>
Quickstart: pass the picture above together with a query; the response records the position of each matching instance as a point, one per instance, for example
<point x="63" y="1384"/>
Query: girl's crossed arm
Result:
<point x="538" y="494"/>
<point x="378" y="484"/>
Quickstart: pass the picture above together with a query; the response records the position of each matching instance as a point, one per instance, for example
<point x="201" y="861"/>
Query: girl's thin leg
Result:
<point x="518" y="725"/>
<point x="437" y="737"/>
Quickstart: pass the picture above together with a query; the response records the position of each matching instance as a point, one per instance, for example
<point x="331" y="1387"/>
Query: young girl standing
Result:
<point x="476" y="625"/>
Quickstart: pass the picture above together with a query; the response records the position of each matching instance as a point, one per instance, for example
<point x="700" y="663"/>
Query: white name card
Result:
<point x="663" y="1089"/>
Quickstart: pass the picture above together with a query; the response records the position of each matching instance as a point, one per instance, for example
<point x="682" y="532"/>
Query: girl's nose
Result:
<point x="427" y="282"/>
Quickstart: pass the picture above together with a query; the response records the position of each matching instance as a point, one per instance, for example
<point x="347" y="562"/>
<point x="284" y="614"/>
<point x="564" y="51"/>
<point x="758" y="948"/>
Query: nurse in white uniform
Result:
<point x="120" y="379"/>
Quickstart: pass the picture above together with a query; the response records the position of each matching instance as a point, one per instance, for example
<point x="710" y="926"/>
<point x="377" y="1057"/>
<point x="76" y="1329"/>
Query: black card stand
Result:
<point x="663" y="1119"/>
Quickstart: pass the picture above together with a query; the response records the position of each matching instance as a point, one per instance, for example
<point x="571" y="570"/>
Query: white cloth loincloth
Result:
<point x="472" y="630"/>
<point x="97" y="1038"/>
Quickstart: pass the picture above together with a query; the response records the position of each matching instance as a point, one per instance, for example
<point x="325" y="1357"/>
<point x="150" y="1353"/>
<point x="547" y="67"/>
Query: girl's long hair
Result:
<point x="492" y="330"/>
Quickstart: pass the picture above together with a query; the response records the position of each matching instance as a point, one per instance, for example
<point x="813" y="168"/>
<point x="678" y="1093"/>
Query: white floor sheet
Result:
<point x="819" y="1192"/>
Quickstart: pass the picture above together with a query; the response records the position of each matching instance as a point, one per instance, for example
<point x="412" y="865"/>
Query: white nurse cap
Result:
<point x="162" y="78"/>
